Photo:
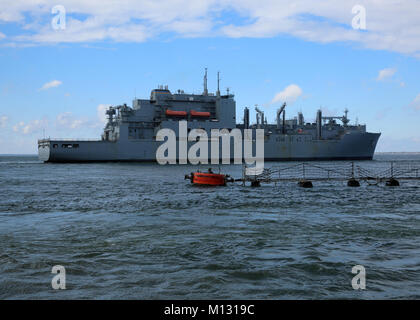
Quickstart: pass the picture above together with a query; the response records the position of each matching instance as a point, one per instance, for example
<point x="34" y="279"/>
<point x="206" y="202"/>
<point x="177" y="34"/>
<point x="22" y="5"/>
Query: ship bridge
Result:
<point x="205" y="110"/>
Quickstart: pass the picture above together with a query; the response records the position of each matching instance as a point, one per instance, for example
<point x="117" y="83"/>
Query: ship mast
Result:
<point x="218" y="83"/>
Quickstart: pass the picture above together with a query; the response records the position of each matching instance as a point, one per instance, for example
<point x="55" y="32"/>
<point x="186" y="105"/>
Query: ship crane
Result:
<point x="260" y="116"/>
<point x="344" y="119"/>
<point x="279" y="112"/>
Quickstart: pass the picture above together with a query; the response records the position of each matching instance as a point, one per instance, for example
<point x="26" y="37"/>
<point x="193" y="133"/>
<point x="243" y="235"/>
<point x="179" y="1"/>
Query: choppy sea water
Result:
<point x="140" y="231"/>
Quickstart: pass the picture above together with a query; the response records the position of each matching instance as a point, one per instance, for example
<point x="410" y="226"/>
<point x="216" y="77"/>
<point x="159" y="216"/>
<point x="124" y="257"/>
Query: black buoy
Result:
<point x="392" y="183"/>
<point x="305" y="184"/>
<point x="255" y="183"/>
<point x="353" y="183"/>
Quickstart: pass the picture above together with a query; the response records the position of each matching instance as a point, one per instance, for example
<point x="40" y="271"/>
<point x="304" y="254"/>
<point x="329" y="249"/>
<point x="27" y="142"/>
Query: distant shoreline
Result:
<point x="18" y="155"/>
<point x="402" y="152"/>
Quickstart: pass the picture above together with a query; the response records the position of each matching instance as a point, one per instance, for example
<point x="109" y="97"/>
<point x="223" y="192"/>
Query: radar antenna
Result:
<point x="345" y="119"/>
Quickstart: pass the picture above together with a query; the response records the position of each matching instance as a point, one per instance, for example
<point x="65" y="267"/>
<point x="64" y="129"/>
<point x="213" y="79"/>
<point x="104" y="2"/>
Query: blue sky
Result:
<point x="58" y="82"/>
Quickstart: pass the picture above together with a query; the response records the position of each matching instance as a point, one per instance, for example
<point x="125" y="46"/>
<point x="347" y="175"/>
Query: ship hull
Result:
<point x="354" y="146"/>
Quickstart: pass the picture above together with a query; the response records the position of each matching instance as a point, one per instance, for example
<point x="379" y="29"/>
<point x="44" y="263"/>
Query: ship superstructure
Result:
<point x="130" y="133"/>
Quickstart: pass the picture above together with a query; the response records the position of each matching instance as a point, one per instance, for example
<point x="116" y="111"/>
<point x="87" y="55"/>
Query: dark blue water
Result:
<point x="140" y="231"/>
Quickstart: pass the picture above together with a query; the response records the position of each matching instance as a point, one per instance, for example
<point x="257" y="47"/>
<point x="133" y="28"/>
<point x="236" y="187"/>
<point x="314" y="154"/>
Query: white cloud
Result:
<point x="17" y="126"/>
<point x="391" y="24"/>
<point x="101" y="109"/>
<point x="3" y="121"/>
<point x="68" y="121"/>
<point x="2" y="35"/>
<point x="385" y="74"/>
<point x="31" y="126"/>
<point x="289" y="94"/>
<point x="64" y="122"/>
<point x="51" y="84"/>
<point x="88" y="31"/>
<point x="416" y="102"/>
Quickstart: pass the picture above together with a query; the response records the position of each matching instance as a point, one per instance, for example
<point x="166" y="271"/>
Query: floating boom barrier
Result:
<point x="304" y="173"/>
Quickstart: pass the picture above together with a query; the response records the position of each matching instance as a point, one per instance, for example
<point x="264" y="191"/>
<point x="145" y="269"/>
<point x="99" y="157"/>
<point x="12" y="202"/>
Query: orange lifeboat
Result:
<point x="208" y="178"/>
<point x="199" y="114"/>
<point x="175" y="113"/>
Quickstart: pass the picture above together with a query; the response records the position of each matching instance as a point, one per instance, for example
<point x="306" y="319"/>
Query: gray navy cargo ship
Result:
<point x="130" y="134"/>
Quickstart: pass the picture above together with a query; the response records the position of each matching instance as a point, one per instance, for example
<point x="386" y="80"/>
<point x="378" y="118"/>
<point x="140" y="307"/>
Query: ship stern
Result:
<point x="44" y="150"/>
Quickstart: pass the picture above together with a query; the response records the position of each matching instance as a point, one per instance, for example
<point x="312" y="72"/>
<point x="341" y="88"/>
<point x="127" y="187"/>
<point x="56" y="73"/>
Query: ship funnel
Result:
<point x="301" y="120"/>
<point x="319" y="125"/>
<point x="205" y="92"/>
<point x="246" y="118"/>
